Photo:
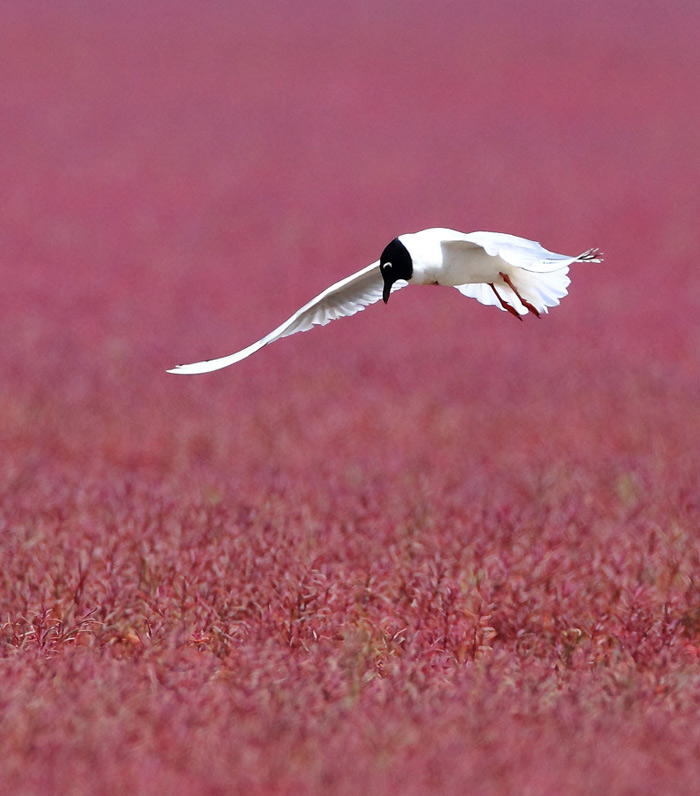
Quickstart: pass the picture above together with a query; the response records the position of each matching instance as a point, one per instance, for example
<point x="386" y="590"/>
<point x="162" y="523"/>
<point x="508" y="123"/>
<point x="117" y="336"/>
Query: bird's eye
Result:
<point x="387" y="266"/>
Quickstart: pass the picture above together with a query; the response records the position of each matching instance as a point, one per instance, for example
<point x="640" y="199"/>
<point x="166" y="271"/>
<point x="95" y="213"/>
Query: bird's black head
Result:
<point x="395" y="263"/>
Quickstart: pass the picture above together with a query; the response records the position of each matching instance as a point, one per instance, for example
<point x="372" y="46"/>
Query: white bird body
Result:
<point x="511" y="273"/>
<point x="447" y="257"/>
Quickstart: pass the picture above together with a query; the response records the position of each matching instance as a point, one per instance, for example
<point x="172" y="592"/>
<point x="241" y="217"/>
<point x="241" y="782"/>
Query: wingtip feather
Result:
<point x="591" y="256"/>
<point x="188" y="370"/>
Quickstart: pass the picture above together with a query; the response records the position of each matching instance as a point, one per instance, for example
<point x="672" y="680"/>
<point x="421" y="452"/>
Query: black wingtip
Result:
<point x="591" y="256"/>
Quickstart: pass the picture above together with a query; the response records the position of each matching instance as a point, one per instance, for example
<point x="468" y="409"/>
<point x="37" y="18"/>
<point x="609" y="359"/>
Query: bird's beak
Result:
<point x="387" y="290"/>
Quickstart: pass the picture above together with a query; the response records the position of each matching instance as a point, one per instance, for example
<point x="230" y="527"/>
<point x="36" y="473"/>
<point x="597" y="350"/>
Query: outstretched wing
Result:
<point x="346" y="297"/>
<point x="527" y="254"/>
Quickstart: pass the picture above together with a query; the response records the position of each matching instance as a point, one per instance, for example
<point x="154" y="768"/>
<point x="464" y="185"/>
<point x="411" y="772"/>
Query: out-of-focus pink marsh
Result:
<point x="425" y="550"/>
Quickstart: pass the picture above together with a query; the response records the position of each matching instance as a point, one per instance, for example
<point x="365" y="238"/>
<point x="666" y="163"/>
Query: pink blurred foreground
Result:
<point x="425" y="550"/>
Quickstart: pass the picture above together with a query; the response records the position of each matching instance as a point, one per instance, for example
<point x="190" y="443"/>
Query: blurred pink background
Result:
<point x="178" y="178"/>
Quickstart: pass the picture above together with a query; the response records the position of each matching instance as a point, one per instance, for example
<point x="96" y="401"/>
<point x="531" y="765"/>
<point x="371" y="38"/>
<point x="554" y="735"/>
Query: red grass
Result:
<point x="427" y="550"/>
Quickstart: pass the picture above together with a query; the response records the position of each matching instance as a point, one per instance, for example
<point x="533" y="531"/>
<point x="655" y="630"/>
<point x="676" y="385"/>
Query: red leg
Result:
<point x="504" y="303"/>
<point x="523" y="301"/>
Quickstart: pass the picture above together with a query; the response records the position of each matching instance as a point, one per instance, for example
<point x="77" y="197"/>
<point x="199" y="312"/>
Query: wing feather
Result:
<point x="526" y="254"/>
<point x="344" y="298"/>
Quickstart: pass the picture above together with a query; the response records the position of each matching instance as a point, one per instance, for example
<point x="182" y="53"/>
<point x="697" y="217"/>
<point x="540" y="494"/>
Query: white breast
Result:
<point x="443" y="257"/>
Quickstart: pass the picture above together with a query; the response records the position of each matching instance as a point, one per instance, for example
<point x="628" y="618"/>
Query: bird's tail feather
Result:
<point x="541" y="290"/>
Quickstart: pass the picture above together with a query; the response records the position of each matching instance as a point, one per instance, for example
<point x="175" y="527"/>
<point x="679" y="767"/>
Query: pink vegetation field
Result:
<point x="426" y="550"/>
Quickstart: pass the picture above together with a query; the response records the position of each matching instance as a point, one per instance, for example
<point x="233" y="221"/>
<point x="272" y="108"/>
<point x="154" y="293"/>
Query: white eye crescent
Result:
<point x="387" y="265"/>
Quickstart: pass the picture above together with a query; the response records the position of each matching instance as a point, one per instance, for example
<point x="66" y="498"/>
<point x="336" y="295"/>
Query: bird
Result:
<point x="514" y="274"/>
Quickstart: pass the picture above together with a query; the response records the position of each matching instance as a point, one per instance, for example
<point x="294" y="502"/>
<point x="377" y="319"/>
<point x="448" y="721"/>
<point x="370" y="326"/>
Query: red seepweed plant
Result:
<point x="429" y="551"/>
